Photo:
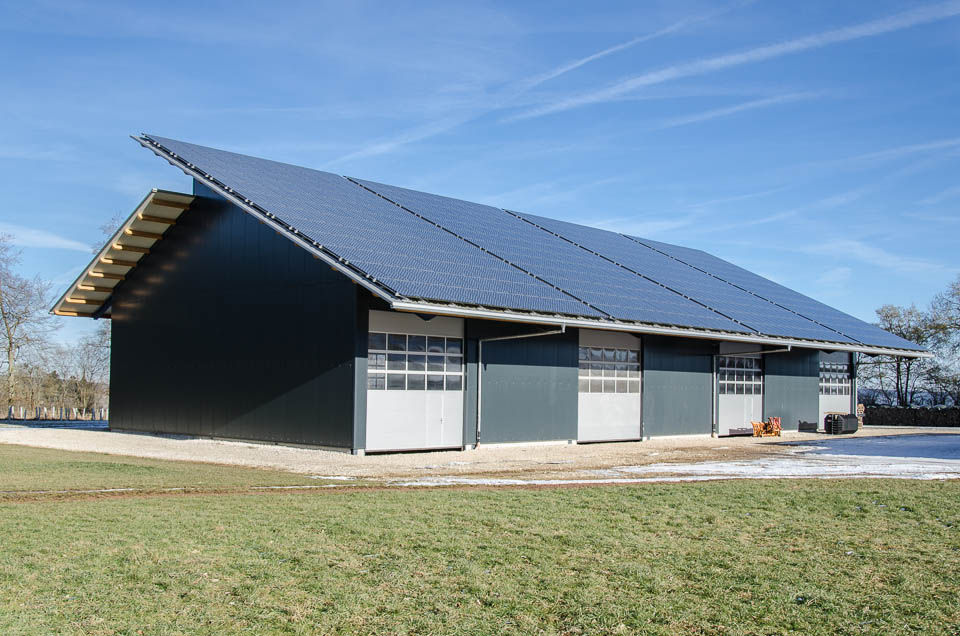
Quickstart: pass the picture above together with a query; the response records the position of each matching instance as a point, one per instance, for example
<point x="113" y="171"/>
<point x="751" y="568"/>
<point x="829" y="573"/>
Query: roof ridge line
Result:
<point x="797" y="313"/>
<point x="479" y="247"/>
<point x="631" y="270"/>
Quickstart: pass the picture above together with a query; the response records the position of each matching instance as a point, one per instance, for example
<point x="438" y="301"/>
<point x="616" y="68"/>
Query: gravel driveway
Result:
<point x="916" y="452"/>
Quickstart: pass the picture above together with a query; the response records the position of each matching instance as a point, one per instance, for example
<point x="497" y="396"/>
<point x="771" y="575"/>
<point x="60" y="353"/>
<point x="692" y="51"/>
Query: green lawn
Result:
<point x="24" y="469"/>
<point x="857" y="556"/>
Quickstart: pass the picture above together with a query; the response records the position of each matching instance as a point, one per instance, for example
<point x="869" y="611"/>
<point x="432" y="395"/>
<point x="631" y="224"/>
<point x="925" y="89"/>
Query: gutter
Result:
<point x="642" y="328"/>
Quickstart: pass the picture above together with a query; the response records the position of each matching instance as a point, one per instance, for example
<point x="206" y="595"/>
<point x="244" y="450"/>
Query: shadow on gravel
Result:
<point x="84" y="425"/>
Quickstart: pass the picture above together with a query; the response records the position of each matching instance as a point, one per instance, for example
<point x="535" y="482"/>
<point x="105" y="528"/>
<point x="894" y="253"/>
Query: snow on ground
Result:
<point x="901" y="457"/>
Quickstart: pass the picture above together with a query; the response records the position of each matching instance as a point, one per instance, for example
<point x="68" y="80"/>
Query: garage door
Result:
<point x="835" y="384"/>
<point x="740" y="387"/>
<point x="608" y="399"/>
<point x="414" y="382"/>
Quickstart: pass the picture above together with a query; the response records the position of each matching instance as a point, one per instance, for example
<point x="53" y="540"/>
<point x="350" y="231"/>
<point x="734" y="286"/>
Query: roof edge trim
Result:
<point x="120" y="255"/>
<point x="228" y="194"/>
<point x="469" y="312"/>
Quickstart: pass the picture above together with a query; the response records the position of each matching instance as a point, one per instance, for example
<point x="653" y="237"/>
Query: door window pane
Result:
<point x="584" y="386"/>
<point x="583" y="353"/>
<point x="596" y="355"/>
<point x="621" y="386"/>
<point x="634" y="386"/>
<point x="397" y="342"/>
<point x="454" y="364"/>
<point x="396" y="381"/>
<point x="416" y="343"/>
<point x="416" y="363"/>
<point x="435" y="345"/>
<point x="416" y="382"/>
<point x="396" y="361"/>
<point x="455" y="346"/>
<point x="434" y="363"/>
<point x="377" y="341"/>
<point x="633" y="356"/>
<point x="375" y="381"/>
<point x="454" y="383"/>
<point x="377" y="361"/>
<point x="596" y="386"/>
<point x="435" y="383"/>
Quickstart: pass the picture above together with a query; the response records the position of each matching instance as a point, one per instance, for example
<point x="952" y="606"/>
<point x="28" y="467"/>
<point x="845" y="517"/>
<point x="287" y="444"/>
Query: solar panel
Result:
<point x="740" y="305"/>
<point x="854" y="328"/>
<point x="447" y="250"/>
<point x="611" y="289"/>
<point x="410" y="256"/>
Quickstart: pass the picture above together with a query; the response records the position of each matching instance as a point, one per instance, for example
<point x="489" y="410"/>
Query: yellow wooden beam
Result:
<point x="108" y="275"/>
<point x="156" y="219"/>
<point x="147" y="235"/>
<point x="84" y="301"/>
<point x="117" y="261"/>
<point x="131" y="248"/>
<point x="62" y="312"/>
<point x="94" y="288"/>
<point x="180" y="205"/>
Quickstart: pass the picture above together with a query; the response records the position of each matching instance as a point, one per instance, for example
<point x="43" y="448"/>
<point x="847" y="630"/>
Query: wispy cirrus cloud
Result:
<point x="515" y="90"/>
<point x="941" y="196"/>
<point x="889" y="24"/>
<point x="24" y="236"/>
<point x="737" y="108"/>
<point x="871" y="254"/>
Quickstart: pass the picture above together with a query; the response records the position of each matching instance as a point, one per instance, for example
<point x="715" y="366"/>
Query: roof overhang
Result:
<point x="91" y="294"/>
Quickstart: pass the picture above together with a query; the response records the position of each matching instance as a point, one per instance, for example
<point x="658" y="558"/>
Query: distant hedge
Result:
<point x="897" y="416"/>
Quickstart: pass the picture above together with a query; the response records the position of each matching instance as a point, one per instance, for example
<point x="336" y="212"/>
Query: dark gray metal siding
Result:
<point x="227" y="329"/>
<point x="792" y="387"/>
<point x="677" y="386"/>
<point x="529" y="386"/>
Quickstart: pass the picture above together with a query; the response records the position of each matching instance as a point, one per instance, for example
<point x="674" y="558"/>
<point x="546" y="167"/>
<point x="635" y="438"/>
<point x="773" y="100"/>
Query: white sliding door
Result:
<point x="609" y="399"/>
<point x="414" y="382"/>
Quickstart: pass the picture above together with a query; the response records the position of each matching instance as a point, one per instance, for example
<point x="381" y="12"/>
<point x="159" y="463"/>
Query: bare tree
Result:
<point x="25" y="324"/>
<point x="944" y="375"/>
<point x="91" y="372"/>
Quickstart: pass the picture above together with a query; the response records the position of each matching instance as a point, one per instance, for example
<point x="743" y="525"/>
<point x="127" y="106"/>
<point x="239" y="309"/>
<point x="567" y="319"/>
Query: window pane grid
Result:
<point x="410" y="362"/>
<point x="739" y="375"/>
<point x="835" y="378"/>
<point x="609" y="370"/>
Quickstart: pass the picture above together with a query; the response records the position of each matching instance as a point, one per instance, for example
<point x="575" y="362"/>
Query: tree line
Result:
<point x="895" y="381"/>
<point x="37" y="372"/>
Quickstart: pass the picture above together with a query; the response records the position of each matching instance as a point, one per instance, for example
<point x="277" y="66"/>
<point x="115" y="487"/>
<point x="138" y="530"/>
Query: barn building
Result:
<point x="284" y="304"/>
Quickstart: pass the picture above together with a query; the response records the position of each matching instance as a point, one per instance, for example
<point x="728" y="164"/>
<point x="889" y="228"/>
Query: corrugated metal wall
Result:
<point x="791" y="387"/>
<point x="677" y="386"/>
<point x="529" y="386"/>
<point x="227" y="329"/>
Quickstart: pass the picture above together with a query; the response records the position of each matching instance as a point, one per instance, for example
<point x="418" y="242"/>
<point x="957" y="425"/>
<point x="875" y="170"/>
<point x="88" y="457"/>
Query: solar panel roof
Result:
<point x="425" y="247"/>
<point x="613" y="290"/>
<point x="755" y="312"/>
<point x="785" y="297"/>
<point x="413" y="258"/>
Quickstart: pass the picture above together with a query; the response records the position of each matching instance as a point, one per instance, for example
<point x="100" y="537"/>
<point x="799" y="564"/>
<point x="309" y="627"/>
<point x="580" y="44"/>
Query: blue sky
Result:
<point x="816" y="143"/>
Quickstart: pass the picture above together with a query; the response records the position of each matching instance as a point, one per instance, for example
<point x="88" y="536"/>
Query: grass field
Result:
<point x="857" y="556"/>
